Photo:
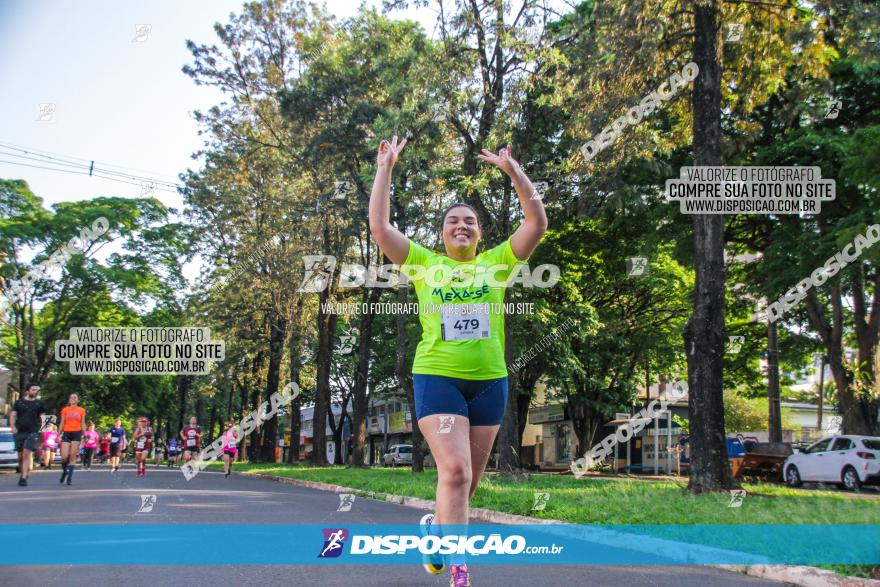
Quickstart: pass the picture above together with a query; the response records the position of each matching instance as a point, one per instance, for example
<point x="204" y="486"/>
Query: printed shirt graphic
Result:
<point x="50" y="439"/>
<point x="72" y="419"/>
<point x="143" y="440"/>
<point x="90" y="439"/>
<point x="476" y="358"/>
<point x="116" y="435"/>
<point x="192" y="436"/>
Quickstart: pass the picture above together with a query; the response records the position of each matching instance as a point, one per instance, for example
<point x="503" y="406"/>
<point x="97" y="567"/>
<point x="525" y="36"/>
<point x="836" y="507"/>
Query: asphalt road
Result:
<point x="101" y="497"/>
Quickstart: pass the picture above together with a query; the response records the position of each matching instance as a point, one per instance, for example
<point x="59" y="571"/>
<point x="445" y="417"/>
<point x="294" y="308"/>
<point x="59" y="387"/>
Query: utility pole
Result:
<point x="821" y="393"/>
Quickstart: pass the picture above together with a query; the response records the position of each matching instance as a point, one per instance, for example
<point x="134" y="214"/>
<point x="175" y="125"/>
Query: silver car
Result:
<point x="401" y="454"/>
<point x="8" y="456"/>
<point x="398" y="454"/>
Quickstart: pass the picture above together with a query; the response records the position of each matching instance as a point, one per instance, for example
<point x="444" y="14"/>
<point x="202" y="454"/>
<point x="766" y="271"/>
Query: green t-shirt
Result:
<point x="467" y="343"/>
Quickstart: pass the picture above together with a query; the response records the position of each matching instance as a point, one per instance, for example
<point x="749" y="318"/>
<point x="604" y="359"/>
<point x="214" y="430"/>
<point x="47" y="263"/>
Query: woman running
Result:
<point x="192" y="439"/>
<point x="50" y="445"/>
<point x="172" y="451"/>
<point x="459" y="373"/>
<point x="143" y="438"/>
<point x="230" y="450"/>
<point x="117" y="445"/>
<point x="72" y="419"/>
<point x="90" y="444"/>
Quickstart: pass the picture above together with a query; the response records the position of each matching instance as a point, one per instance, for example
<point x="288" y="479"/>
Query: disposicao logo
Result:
<point x="334" y="541"/>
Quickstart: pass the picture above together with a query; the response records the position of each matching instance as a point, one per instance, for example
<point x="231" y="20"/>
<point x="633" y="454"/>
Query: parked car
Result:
<point x="8" y="456"/>
<point x="849" y="461"/>
<point x="401" y="454"/>
<point x="398" y="454"/>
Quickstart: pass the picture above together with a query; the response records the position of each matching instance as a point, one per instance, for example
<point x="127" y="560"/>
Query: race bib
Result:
<point x="230" y="443"/>
<point x="142" y="442"/>
<point x="464" y="321"/>
<point x="114" y="440"/>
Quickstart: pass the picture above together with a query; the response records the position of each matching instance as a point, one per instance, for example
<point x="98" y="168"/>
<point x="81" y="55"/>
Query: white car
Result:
<point x="398" y="454"/>
<point x="401" y="454"/>
<point x="849" y="461"/>
<point x="8" y="456"/>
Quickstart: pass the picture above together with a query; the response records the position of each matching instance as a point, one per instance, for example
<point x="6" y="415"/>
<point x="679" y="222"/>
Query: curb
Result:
<point x="803" y="576"/>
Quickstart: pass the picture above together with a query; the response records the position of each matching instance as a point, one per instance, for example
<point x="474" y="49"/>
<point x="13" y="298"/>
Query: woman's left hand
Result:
<point x="502" y="160"/>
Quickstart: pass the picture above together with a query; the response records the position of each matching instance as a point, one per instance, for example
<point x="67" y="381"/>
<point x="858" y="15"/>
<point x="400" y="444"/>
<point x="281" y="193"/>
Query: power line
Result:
<point x="139" y="184"/>
<point x="43" y="151"/>
<point x="87" y="168"/>
<point x="91" y="168"/>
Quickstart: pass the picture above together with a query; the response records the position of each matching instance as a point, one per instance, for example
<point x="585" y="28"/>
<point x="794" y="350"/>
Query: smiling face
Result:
<point x="461" y="232"/>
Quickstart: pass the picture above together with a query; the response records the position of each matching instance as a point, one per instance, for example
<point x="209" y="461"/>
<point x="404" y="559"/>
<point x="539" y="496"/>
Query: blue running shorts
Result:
<point x="481" y="402"/>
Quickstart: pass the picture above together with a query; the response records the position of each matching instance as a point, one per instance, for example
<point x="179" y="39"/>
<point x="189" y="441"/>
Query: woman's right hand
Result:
<point x="388" y="152"/>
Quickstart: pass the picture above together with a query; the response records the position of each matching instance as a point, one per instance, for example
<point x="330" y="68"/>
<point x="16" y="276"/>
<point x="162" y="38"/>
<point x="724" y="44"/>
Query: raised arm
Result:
<point x="391" y="241"/>
<point x="525" y="238"/>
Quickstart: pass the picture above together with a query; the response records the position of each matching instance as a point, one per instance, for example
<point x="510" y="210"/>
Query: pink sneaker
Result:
<point x="460" y="577"/>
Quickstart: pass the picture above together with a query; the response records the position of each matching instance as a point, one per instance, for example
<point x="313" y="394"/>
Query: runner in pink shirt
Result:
<point x="90" y="443"/>
<point x="50" y="443"/>
<point x="230" y="440"/>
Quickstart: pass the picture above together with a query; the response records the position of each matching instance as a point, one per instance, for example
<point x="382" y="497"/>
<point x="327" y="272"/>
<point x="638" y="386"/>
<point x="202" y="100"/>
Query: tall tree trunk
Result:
<point x="296" y="404"/>
<point x="200" y="409"/>
<point x="211" y="433"/>
<point x="405" y="389"/>
<point x="704" y="342"/>
<point x="821" y="393"/>
<point x="858" y="411"/>
<point x="773" y="397"/>
<point x="182" y="389"/>
<point x="230" y="404"/>
<point x="277" y="334"/>
<point x="359" y="392"/>
<point x="866" y="405"/>
<point x="326" y="328"/>
<point x="508" y="434"/>
<point x="255" y="436"/>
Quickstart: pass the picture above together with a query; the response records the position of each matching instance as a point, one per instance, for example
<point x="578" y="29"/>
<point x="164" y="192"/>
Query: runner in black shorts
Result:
<point x="24" y="419"/>
<point x="117" y="442"/>
<point x="192" y="440"/>
<point x="73" y="418"/>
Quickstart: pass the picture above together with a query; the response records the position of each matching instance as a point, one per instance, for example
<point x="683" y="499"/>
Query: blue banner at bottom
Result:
<point x="568" y="544"/>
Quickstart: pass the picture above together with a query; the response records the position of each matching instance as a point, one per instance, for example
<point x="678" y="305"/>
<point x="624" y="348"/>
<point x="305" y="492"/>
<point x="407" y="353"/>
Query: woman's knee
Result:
<point x="456" y="473"/>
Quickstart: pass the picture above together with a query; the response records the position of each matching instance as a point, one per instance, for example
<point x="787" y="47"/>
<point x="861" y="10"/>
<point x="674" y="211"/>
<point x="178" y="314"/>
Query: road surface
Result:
<point x="99" y="497"/>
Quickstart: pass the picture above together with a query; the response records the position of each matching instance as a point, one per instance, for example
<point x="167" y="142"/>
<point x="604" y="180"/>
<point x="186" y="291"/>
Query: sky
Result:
<point x="116" y="91"/>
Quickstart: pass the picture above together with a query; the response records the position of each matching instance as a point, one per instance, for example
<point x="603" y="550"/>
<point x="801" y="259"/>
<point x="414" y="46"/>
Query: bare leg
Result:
<point x="24" y="463"/>
<point x="482" y="438"/>
<point x="451" y="452"/>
